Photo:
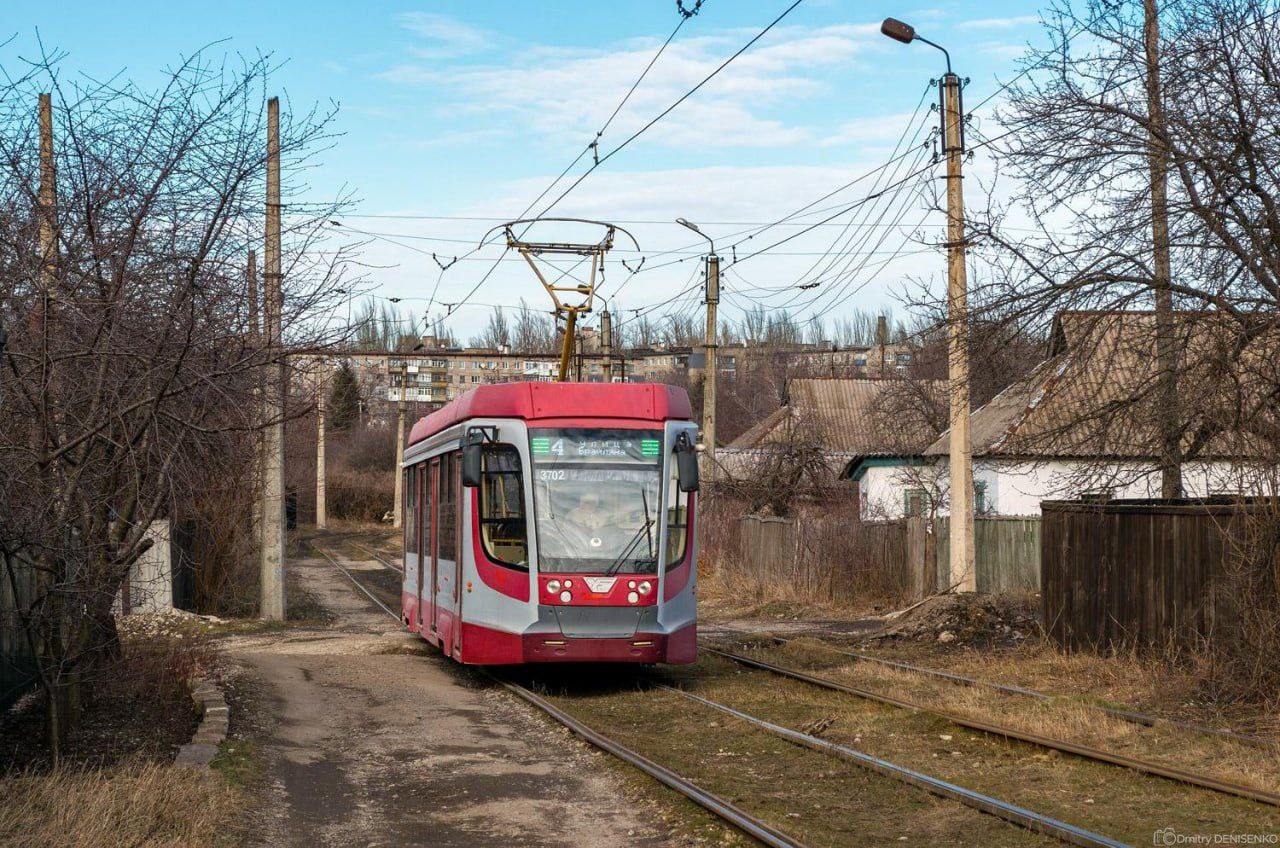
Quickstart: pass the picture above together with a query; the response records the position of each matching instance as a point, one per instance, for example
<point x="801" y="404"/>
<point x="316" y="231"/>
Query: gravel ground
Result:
<point x="369" y="738"/>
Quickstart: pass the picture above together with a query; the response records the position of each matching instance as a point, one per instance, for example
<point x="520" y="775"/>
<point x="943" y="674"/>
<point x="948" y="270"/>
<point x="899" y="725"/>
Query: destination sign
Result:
<point x="595" y="446"/>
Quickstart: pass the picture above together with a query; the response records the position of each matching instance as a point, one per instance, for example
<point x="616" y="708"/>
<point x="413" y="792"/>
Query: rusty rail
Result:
<point x="1011" y="813"/>
<point x="1085" y="751"/>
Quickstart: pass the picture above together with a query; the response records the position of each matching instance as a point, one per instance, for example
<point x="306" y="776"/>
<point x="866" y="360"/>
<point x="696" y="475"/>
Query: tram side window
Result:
<point x="502" y="516"/>
<point x="677" y="516"/>
<point x="409" y="510"/>
<point x="448" y="496"/>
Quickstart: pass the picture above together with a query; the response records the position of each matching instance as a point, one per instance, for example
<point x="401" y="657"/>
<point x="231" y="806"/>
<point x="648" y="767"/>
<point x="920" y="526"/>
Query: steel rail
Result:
<point x="1085" y="751"/>
<point x="725" y="810"/>
<point x="1011" y="813"/>
<point x="357" y="583"/>
<point x="1131" y="716"/>
<point x="371" y="552"/>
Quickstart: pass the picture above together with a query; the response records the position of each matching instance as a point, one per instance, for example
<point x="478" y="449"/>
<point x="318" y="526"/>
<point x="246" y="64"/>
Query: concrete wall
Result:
<point x="150" y="581"/>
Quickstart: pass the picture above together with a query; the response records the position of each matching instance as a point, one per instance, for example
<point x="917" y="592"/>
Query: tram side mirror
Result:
<point x="471" y="458"/>
<point x="686" y="463"/>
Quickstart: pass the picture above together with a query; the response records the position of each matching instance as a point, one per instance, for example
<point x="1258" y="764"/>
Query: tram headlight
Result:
<point x="568" y="584"/>
<point x="631" y="584"/>
<point x="645" y="587"/>
<point x="565" y="597"/>
<point x="553" y="586"/>
<point x="633" y="598"/>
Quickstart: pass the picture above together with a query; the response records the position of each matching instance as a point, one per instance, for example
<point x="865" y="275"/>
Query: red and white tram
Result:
<point x="553" y="522"/>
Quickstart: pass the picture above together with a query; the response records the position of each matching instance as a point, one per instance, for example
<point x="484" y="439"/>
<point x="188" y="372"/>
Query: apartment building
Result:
<point x="434" y="375"/>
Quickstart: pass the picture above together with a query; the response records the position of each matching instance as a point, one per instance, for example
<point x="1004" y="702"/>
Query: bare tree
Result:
<point x="534" y="332"/>
<point x="496" y="333"/>
<point x="1132" y="97"/>
<point x="130" y="371"/>
<point x="1079" y="136"/>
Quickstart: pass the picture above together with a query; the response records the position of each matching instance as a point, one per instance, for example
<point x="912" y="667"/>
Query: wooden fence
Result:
<point x="831" y="558"/>
<point x="1135" y="571"/>
<point x="17" y="662"/>
<point x="1006" y="552"/>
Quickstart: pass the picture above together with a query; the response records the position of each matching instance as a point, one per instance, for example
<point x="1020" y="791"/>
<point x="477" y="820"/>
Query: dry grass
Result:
<point x="1069" y="719"/>
<point x="1114" y="801"/>
<point x="131" y="804"/>
<point x="1160" y="685"/>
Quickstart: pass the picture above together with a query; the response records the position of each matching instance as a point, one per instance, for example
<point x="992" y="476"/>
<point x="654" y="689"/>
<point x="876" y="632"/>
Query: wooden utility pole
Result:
<point x="1166" y="331"/>
<point x="404" y="387"/>
<point x="710" y="371"/>
<point x="606" y="344"/>
<point x="273" y="528"/>
<point x="962" y="575"/>
<point x="321" y="511"/>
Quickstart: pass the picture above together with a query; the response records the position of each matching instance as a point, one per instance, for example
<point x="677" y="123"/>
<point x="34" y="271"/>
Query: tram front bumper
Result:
<point x="606" y="634"/>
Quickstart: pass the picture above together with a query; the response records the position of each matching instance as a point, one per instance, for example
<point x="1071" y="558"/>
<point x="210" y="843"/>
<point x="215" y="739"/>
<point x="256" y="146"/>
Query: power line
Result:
<point x="670" y="108"/>
<point x="593" y="146"/>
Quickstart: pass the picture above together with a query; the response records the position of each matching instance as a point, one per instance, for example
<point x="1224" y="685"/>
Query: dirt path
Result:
<point x="368" y="744"/>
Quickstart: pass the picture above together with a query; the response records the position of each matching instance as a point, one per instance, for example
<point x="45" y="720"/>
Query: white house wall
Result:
<point x="1018" y="487"/>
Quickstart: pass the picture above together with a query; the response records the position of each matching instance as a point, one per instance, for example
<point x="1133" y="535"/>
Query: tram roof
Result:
<point x="532" y="400"/>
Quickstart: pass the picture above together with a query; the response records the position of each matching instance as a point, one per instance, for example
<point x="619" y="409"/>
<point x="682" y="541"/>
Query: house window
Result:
<point x="860" y="361"/>
<point x="980" y="505"/>
<point x="915" y="502"/>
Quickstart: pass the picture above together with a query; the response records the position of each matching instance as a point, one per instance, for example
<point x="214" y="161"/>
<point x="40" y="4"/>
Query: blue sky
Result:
<point x="468" y="110"/>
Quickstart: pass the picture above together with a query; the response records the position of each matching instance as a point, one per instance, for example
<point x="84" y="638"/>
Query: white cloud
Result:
<point x="719" y="199"/>
<point x="447" y="37"/>
<point x="999" y="23"/>
<point x="561" y="95"/>
<point x="1003" y="51"/>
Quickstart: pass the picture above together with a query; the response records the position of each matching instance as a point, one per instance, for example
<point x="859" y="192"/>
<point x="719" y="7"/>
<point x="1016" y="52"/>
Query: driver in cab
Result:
<point x="588" y="513"/>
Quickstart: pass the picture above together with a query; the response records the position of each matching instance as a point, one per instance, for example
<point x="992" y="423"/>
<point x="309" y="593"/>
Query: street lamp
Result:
<point x="692" y="226"/>
<point x="960" y="460"/>
<point x="906" y="33"/>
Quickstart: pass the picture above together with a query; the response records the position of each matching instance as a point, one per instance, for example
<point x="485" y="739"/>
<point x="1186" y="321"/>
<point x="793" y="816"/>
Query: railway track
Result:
<point x="1085" y="751"/>
<point x="746" y="823"/>
<point x="374" y="555"/>
<point x="1131" y="716"/>
<point x="722" y="808"/>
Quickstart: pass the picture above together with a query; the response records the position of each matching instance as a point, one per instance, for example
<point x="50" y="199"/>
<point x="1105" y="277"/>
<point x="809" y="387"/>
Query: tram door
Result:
<point x="455" y="484"/>
<point x="420" y="518"/>
<point x="445" y="552"/>
<point x="430" y="592"/>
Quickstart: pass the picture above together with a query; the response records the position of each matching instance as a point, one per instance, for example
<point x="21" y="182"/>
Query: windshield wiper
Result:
<point x="635" y="540"/>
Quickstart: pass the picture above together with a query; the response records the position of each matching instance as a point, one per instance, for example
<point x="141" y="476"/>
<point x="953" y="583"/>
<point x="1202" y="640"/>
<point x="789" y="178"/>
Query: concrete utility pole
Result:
<point x="321" y="511"/>
<point x="273" y="529"/>
<point x="255" y="339"/>
<point x="48" y="202"/>
<point x="1166" y="331"/>
<point x="711" y="372"/>
<point x="48" y="237"/>
<point x="404" y="387"/>
<point x="606" y="344"/>
<point x="962" y="576"/>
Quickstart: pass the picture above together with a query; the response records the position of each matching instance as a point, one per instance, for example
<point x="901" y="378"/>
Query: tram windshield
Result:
<point x="595" y="494"/>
